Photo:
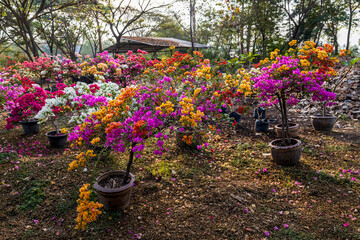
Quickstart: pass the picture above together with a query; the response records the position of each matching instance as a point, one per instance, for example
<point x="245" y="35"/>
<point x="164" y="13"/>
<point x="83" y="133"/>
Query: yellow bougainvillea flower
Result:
<point x="293" y="42"/>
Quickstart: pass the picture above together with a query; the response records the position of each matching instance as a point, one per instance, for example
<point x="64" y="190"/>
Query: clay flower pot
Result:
<point x="293" y="130"/>
<point x="323" y="123"/>
<point x="114" y="198"/>
<point x="286" y="155"/>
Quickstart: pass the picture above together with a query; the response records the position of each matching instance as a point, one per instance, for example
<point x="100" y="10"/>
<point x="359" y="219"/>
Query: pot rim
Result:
<point x="113" y="190"/>
<point x="291" y="125"/>
<point x="30" y="121"/>
<point x="297" y="144"/>
<point x="319" y="116"/>
<point x="54" y="136"/>
<point x="265" y="120"/>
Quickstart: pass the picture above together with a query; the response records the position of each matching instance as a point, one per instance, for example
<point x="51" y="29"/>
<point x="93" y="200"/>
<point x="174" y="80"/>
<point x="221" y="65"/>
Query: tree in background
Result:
<point x="120" y="18"/>
<point x="353" y="6"/>
<point x="18" y="16"/>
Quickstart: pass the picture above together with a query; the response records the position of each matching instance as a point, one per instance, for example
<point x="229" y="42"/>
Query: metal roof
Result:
<point x="150" y="44"/>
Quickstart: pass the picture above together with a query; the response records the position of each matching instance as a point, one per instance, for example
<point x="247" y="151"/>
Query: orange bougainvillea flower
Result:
<point x="137" y="128"/>
<point x="328" y="48"/>
<point x="112" y="126"/>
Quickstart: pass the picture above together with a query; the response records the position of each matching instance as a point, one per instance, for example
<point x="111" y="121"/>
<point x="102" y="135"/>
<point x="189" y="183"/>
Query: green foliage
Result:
<point x="68" y="203"/>
<point x="168" y="28"/>
<point x="7" y="157"/>
<point x="162" y="169"/>
<point x="33" y="194"/>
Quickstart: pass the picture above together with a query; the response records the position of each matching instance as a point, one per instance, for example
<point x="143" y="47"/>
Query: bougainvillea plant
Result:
<point x="74" y="103"/>
<point x="26" y="106"/>
<point x="292" y="77"/>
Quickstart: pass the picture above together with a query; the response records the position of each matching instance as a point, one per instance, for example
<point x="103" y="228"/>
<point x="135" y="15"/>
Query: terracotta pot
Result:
<point x="57" y="141"/>
<point x="114" y="198"/>
<point x="30" y="127"/>
<point x="293" y="130"/>
<point x="323" y="123"/>
<point x="286" y="155"/>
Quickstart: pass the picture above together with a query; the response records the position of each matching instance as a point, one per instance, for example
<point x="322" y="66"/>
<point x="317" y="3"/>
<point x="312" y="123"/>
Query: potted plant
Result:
<point x="124" y="130"/>
<point x="25" y="107"/>
<point x="72" y="105"/>
<point x="325" y="121"/>
<point x="283" y="83"/>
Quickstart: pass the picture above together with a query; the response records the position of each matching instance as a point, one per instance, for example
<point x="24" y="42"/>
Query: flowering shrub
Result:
<point x="288" y="79"/>
<point x="73" y="104"/>
<point x="41" y="67"/>
<point x="27" y="105"/>
<point x="9" y="92"/>
<point x="121" y="70"/>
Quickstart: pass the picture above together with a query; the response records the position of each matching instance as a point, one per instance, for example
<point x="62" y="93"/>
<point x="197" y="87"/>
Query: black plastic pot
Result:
<point x="236" y="116"/>
<point x="54" y="88"/>
<point x="74" y="79"/>
<point x="286" y="155"/>
<point x="30" y="127"/>
<point x="114" y="198"/>
<point x="57" y="141"/>
<point x="223" y="109"/>
<point x="259" y="113"/>
<point x="262" y="125"/>
<point x="87" y="79"/>
<point x="323" y="123"/>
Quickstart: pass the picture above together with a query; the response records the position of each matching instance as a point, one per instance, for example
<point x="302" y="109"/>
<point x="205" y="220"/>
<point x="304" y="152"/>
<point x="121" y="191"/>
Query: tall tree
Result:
<point x="121" y="16"/>
<point x="18" y="16"/>
<point x="353" y="6"/>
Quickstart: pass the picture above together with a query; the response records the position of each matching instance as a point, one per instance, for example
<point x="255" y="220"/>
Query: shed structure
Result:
<point x="150" y="44"/>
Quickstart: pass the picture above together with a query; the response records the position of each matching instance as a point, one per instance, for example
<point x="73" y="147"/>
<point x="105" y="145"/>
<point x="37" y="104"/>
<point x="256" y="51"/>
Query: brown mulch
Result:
<point x="231" y="191"/>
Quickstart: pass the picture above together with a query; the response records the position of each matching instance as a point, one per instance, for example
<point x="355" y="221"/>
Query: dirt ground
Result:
<point x="232" y="190"/>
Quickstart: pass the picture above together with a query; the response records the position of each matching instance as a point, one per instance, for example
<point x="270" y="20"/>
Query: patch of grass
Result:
<point x="343" y="117"/>
<point x="28" y="234"/>
<point x="243" y="158"/>
<point x="261" y="145"/>
<point x="239" y="161"/>
<point x="162" y="169"/>
<point x="334" y="148"/>
<point x="291" y="234"/>
<point x="69" y="202"/>
<point x="243" y="146"/>
<point x="7" y="157"/>
<point x="33" y="194"/>
<point x="308" y="151"/>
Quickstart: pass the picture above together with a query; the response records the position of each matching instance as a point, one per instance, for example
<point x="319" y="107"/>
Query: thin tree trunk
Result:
<point x="192" y="25"/>
<point x="286" y="120"/>
<point x="349" y="26"/>
<point x="98" y="31"/>
<point x="131" y="158"/>
<point x="248" y="38"/>
<point x="282" y="121"/>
